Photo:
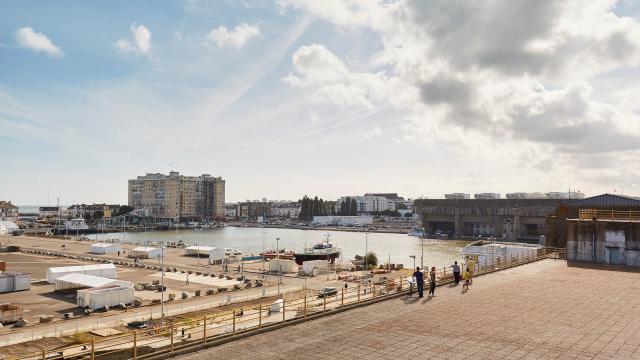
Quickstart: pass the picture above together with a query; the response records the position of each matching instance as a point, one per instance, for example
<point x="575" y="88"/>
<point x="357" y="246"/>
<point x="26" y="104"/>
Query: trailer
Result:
<point x="10" y="313"/>
<point x="12" y="281"/>
<point x="101" y="270"/>
<point x="108" y="295"/>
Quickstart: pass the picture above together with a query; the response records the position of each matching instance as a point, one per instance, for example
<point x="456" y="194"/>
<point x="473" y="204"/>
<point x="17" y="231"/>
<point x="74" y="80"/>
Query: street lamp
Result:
<point x="279" y="266"/>
<point x="162" y="282"/>
<point x="421" y="253"/>
<point x="264" y="255"/>
<point x="366" y="250"/>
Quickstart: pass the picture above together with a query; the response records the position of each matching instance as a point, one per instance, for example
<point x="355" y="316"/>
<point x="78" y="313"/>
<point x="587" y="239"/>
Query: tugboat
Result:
<point x="321" y="251"/>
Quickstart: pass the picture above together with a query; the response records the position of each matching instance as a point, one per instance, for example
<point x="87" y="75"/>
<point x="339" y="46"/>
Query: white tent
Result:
<point x="198" y="250"/>
<point x="78" y="281"/>
<point x="102" y="270"/>
<point x="7" y="227"/>
<point x="105" y="248"/>
<point x="109" y="295"/>
<point x="145" y="252"/>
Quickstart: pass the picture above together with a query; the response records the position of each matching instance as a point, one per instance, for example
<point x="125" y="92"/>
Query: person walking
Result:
<point x="432" y="281"/>
<point x="466" y="277"/>
<point x="419" y="276"/>
<point x="456" y="272"/>
<point x="471" y="266"/>
<point x="187" y="280"/>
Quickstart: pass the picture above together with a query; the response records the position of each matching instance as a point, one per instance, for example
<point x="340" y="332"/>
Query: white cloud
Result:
<point x="319" y="69"/>
<point x="236" y="38"/>
<point x="38" y="42"/>
<point x="140" y="42"/>
<point x="375" y="131"/>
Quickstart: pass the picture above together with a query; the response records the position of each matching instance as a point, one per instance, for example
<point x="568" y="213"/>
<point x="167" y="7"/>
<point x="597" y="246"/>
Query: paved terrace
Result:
<point x="543" y="310"/>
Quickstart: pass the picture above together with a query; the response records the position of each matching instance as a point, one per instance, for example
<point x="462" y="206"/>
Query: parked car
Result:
<point x="328" y="291"/>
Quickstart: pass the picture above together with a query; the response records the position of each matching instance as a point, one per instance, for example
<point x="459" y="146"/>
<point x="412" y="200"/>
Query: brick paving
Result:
<point x="543" y="310"/>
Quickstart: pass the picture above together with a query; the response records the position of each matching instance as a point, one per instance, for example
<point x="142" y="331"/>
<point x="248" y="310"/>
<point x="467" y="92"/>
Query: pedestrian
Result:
<point x="432" y="281"/>
<point x="466" y="277"/>
<point x="456" y="272"/>
<point x="471" y="265"/>
<point x="118" y="253"/>
<point x="346" y="285"/>
<point x="187" y="281"/>
<point x="419" y="276"/>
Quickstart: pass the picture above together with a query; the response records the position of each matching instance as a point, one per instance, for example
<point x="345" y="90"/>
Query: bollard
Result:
<point x="342" y="298"/>
<point x="283" y="316"/>
<point x="358" y="292"/>
<point x="93" y="348"/>
<point x="172" y="331"/>
<point x="233" y="331"/>
<point x="260" y="316"/>
<point x="135" y="345"/>
<point x="204" y="330"/>
<point x="324" y="303"/>
<point x="44" y="354"/>
<point x="401" y="280"/>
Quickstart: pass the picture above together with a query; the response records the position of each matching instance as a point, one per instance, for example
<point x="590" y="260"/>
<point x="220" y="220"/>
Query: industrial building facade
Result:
<point x="178" y="196"/>
<point x="501" y="218"/>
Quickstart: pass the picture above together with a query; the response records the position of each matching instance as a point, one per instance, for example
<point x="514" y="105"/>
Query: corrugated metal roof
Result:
<point x="607" y="201"/>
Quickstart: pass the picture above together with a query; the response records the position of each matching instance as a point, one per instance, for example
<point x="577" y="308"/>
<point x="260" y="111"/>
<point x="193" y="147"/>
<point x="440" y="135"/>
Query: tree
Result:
<point x="371" y="259"/>
<point x="353" y="208"/>
<point x="408" y="215"/>
<point x="125" y="209"/>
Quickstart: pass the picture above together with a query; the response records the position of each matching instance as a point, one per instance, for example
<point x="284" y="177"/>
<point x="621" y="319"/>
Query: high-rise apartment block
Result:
<point x="178" y="196"/>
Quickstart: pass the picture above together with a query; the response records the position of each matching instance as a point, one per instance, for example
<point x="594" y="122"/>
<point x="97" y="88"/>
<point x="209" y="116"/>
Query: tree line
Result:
<point x="315" y="207"/>
<point x="348" y="207"/>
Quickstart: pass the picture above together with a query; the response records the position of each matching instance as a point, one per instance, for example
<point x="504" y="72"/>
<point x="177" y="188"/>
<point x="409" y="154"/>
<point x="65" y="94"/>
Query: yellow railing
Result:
<point x="629" y="215"/>
<point x="175" y="335"/>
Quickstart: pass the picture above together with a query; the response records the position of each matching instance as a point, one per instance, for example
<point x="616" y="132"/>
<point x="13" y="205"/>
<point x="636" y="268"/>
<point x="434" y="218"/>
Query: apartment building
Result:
<point x="8" y="211"/>
<point x="179" y="196"/>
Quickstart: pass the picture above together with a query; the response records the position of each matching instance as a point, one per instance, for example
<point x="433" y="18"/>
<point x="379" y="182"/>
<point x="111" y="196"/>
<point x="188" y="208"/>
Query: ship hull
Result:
<point x="301" y="258"/>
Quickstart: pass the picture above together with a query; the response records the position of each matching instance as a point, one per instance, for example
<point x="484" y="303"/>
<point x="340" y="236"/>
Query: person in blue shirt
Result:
<point x="419" y="276"/>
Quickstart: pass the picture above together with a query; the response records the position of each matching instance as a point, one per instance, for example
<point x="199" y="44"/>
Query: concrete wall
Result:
<point x="605" y="242"/>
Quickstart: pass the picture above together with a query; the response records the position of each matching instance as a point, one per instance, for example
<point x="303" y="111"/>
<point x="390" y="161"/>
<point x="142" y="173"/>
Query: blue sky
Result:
<point x="292" y="97"/>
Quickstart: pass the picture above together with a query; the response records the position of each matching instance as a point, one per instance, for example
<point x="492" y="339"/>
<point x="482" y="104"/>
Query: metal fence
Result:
<point x="174" y="335"/>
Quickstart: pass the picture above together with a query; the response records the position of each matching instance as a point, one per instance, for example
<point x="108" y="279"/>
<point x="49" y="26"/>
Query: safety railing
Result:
<point x="174" y="335"/>
<point x="590" y="214"/>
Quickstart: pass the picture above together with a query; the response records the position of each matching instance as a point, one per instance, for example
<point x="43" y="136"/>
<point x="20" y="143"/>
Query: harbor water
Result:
<point x="249" y="240"/>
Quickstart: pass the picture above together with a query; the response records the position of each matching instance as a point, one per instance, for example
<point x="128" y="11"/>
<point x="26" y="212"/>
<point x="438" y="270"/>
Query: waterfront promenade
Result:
<point x="543" y="310"/>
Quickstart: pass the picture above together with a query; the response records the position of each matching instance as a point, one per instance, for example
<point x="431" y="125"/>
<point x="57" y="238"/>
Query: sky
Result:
<point x="330" y="98"/>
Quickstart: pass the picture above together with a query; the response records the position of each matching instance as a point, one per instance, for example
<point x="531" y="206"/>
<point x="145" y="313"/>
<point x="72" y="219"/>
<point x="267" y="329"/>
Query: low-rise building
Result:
<point x="8" y="211"/>
<point x="343" y="220"/>
<point x="289" y="210"/>
<point x="231" y="211"/>
<point x="457" y="196"/>
<point x="49" y="211"/>
<point x="92" y="211"/>
<point x="605" y="240"/>
<point x="486" y="196"/>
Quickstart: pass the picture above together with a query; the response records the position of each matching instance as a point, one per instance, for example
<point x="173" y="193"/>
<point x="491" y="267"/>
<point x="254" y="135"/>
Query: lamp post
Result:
<point x="279" y="266"/>
<point x="162" y="282"/>
<point x="366" y="250"/>
<point x="264" y="255"/>
<point x="421" y="253"/>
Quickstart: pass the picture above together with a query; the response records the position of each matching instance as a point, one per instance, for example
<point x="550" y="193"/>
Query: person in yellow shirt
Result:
<point x="471" y="266"/>
<point x="466" y="276"/>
